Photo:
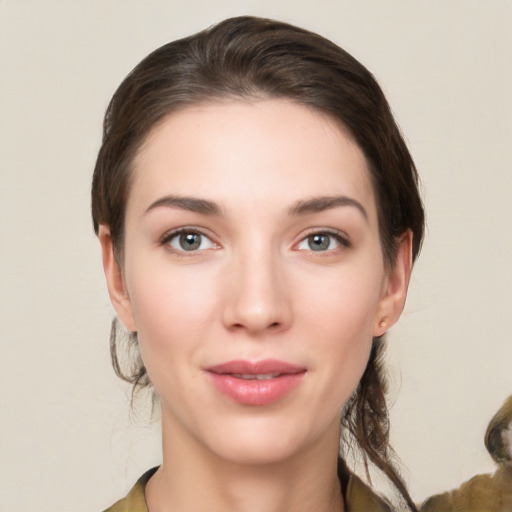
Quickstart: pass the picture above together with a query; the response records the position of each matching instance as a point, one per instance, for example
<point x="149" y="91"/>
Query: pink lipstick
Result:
<point x="256" y="383"/>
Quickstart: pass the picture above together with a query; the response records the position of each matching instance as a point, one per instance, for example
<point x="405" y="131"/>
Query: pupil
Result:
<point x="190" y="241"/>
<point x="319" y="242"/>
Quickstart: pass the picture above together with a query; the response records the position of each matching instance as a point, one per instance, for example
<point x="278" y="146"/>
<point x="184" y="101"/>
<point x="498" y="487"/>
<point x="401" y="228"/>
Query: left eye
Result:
<point x="189" y="241"/>
<point x="320" y="242"/>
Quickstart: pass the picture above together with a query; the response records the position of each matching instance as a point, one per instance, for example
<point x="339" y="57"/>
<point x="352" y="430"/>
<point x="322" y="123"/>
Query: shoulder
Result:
<point x="135" y="500"/>
<point x="360" y="498"/>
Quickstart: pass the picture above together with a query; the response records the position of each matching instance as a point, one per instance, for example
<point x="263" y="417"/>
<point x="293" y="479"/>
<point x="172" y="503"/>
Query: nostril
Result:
<point x="274" y="326"/>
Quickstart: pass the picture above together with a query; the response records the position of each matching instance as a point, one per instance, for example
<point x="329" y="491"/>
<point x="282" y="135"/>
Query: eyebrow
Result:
<point x="320" y="204"/>
<point x="303" y="207"/>
<point x="192" y="204"/>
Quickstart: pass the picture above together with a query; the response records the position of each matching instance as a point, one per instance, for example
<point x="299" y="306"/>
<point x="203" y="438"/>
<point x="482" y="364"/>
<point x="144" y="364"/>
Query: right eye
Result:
<point x="188" y="241"/>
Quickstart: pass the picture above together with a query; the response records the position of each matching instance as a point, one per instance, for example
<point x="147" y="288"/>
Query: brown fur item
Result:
<point x="484" y="493"/>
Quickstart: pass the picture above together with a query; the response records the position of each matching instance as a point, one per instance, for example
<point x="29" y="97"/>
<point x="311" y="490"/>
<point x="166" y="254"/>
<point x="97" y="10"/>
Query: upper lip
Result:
<point x="263" y="367"/>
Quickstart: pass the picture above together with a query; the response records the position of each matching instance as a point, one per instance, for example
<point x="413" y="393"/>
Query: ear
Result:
<point x="394" y="290"/>
<point x="115" y="280"/>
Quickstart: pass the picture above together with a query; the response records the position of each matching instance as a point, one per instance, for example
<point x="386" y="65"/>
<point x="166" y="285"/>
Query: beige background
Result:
<point x="67" y="442"/>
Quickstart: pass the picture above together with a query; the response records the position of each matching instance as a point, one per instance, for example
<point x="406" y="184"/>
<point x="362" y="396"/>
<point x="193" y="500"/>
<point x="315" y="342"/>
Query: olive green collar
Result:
<point x="358" y="496"/>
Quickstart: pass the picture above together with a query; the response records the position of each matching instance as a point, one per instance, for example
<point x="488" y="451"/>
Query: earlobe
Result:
<point x="395" y="287"/>
<point x="115" y="280"/>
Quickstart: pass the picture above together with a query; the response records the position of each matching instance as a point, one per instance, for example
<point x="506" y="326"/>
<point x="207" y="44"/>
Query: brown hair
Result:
<point x="251" y="58"/>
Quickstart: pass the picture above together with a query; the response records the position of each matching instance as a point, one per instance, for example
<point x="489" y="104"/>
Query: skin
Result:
<point x="254" y="289"/>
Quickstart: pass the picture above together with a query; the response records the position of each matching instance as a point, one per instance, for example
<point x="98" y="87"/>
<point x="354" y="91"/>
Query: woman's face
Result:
<point x="253" y="275"/>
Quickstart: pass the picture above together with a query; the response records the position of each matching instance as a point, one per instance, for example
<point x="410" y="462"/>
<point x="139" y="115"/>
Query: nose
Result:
<point x="257" y="300"/>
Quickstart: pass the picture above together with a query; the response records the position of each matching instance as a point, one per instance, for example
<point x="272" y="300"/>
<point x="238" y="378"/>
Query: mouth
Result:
<point x="260" y="376"/>
<point x="256" y="383"/>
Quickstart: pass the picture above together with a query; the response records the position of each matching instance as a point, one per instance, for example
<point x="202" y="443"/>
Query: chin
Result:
<point x="265" y="441"/>
<point x="256" y="452"/>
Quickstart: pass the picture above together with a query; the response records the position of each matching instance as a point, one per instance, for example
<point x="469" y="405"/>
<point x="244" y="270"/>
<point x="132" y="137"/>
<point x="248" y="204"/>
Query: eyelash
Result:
<point x="170" y="236"/>
<point x="340" y="238"/>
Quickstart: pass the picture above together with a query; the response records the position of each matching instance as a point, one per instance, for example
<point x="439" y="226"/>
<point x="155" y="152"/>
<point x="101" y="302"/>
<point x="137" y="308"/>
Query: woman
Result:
<point x="258" y="214"/>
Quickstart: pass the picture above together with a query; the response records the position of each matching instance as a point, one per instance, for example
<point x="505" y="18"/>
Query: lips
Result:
<point x="256" y="383"/>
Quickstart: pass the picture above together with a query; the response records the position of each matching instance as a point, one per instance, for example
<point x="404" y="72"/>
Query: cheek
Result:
<point x="345" y="336"/>
<point x="171" y="308"/>
<point x="344" y="302"/>
<point x="169" y="295"/>
<point x="340" y="318"/>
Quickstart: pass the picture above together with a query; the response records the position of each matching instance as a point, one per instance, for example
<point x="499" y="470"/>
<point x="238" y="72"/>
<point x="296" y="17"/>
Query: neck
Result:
<point x="193" y="478"/>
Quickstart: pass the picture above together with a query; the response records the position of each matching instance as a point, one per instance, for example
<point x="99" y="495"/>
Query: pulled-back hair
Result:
<point x="248" y="59"/>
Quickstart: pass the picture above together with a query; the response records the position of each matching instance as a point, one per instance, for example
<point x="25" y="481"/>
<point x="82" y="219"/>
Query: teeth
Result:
<point x="259" y="376"/>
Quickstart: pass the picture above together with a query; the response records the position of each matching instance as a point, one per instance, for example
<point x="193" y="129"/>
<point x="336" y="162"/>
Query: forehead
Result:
<point x="250" y="151"/>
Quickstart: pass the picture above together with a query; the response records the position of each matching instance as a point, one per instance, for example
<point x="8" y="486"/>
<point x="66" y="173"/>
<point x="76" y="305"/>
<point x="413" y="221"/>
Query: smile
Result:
<point x="257" y="384"/>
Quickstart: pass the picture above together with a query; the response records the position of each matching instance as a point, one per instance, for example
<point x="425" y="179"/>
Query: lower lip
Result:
<point x="256" y="392"/>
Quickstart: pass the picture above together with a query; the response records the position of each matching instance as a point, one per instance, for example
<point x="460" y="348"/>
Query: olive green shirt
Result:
<point x="358" y="497"/>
